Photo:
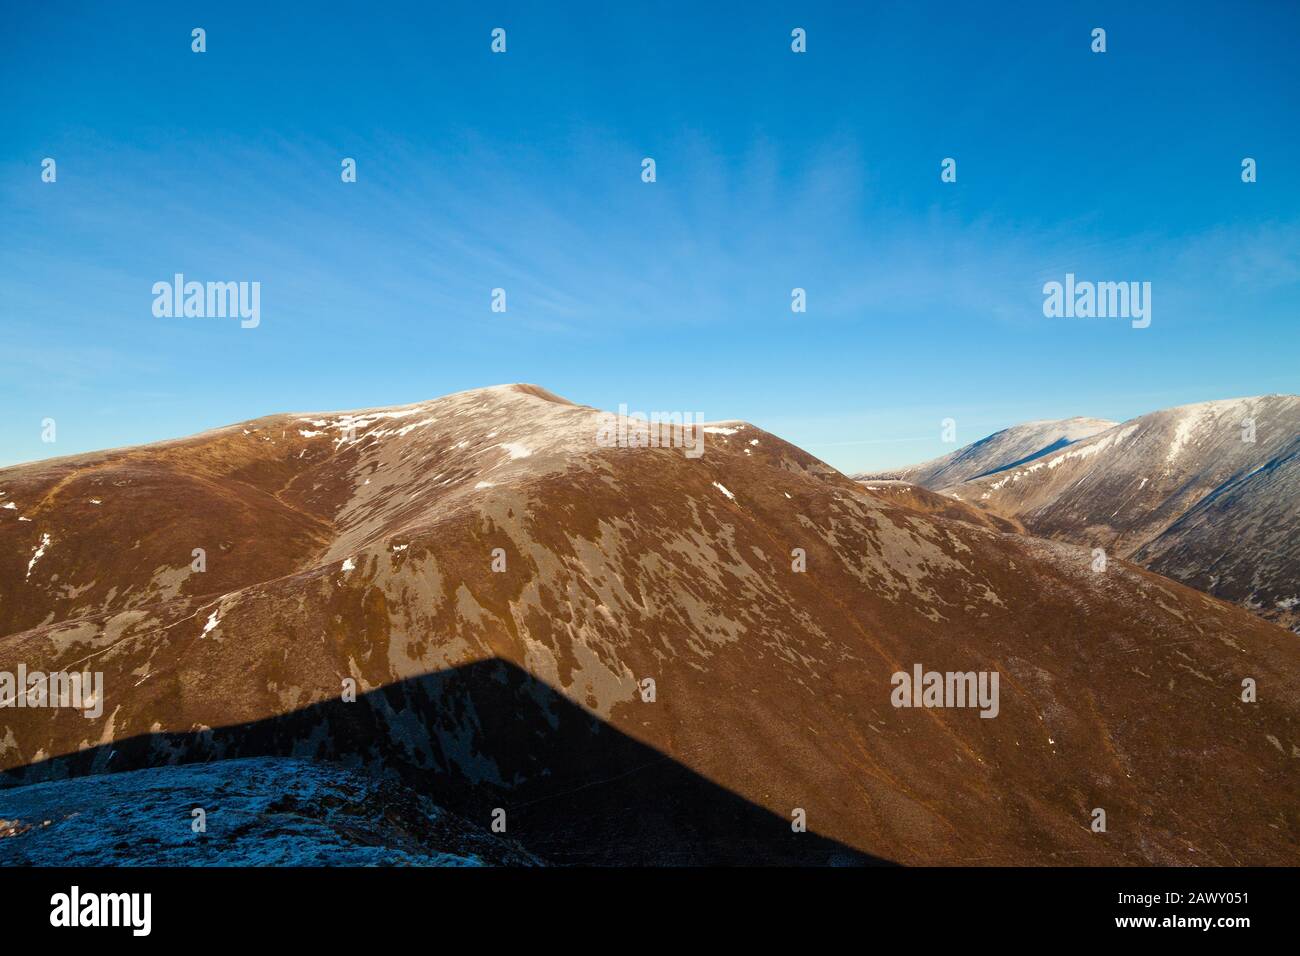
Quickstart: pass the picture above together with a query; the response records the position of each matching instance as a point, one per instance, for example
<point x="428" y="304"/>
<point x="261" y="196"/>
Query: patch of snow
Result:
<point x="11" y="506"/>
<point x="213" y="621"/>
<point x="517" y="450"/>
<point x="483" y="484"/>
<point x="305" y="433"/>
<point x="719" y="430"/>
<point x="37" y="553"/>
<point x="348" y="565"/>
<point x="724" y="491"/>
<point x="402" y="432"/>
<point x="1182" y="432"/>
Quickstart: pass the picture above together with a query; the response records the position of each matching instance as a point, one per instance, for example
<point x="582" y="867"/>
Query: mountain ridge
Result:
<point x="1164" y="472"/>
<point x="364" y="546"/>
<point x="1001" y="450"/>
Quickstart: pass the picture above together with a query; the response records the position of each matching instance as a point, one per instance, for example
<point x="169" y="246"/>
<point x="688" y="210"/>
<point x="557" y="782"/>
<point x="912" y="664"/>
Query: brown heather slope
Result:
<point x="917" y="498"/>
<point x="371" y="558"/>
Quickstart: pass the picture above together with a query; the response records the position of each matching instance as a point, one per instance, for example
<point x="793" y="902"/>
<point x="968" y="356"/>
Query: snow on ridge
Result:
<point x="359" y="424"/>
<point x="722" y="489"/>
<point x="1193" y="418"/>
<point x="1225" y="404"/>
<point x="1082" y="449"/>
<point x="1182" y="422"/>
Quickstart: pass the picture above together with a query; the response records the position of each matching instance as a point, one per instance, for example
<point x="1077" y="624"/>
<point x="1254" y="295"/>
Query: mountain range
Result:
<point x="1206" y="494"/>
<point x="630" y="655"/>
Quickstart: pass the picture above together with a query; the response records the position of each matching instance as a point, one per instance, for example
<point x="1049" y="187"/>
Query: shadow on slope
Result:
<point x="1040" y="453"/>
<point x="488" y="735"/>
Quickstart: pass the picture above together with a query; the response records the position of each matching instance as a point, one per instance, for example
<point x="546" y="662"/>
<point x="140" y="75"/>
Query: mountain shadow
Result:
<point x="489" y="735"/>
<point x="1042" y="452"/>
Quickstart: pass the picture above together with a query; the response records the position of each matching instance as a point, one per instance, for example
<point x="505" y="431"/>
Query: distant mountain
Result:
<point x="1207" y="494"/>
<point x="637" y="656"/>
<point x="1005" y="449"/>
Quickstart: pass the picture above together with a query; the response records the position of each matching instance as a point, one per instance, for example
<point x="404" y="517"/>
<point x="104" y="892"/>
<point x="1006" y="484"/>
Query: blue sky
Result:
<point x="522" y="171"/>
